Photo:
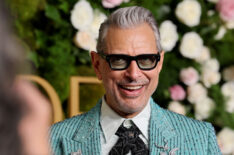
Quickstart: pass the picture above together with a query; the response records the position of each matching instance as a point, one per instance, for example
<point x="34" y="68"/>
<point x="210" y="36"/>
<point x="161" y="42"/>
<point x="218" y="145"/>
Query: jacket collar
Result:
<point x="89" y="124"/>
<point x="158" y="120"/>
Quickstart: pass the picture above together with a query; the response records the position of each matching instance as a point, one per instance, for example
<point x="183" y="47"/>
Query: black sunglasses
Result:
<point x="121" y="61"/>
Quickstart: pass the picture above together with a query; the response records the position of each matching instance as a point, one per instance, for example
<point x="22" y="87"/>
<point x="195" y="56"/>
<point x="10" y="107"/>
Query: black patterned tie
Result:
<point x="129" y="140"/>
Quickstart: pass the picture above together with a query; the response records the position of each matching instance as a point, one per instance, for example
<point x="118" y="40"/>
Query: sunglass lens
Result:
<point x="118" y="62"/>
<point x="146" y="61"/>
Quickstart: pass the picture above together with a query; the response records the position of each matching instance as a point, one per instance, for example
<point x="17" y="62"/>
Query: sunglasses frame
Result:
<point x="129" y="59"/>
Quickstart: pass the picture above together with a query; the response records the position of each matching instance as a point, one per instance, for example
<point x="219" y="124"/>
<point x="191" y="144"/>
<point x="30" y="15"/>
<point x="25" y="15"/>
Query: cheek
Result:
<point x="153" y="80"/>
<point x="103" y="71"/>
<point x="111" y="80"/>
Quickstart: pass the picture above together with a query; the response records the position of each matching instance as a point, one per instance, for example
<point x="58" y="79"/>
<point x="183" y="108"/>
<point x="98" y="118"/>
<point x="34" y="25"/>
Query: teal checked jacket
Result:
<point x="169" y="134"/>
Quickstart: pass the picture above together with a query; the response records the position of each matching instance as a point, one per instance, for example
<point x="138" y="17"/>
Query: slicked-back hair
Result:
<point x="128" y="17"/>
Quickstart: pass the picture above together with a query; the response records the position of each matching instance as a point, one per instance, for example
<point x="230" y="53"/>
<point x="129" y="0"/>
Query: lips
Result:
<point x="131" y="87"/>
<point x="131" y="90"/>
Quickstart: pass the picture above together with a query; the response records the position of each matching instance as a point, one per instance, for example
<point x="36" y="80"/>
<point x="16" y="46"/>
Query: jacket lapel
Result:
<point x="163" y="137"/>
<point x="86" y="139"/>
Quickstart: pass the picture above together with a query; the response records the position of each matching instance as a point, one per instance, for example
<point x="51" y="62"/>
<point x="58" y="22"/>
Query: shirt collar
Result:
<point x="110" y="120"/>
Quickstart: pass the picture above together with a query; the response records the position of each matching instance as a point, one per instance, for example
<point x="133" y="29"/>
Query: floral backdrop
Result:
<point x="197" y="79"/>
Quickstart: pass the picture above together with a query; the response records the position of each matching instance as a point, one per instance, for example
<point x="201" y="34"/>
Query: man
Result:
<point x="129" y="59"/>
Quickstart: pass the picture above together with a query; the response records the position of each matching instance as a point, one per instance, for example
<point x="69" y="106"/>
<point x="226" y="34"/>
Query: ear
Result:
<point x="96" y="64"/>
<point x="160" y="63"/>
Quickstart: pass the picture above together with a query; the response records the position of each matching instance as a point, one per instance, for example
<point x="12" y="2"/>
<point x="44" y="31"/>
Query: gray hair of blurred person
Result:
<point x="11" y="54"/>
<point x="10" y="112"/>
<point x="128" y="17"/>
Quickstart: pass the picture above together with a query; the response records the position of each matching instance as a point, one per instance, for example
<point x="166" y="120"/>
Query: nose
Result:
<point x="133" y="71"/>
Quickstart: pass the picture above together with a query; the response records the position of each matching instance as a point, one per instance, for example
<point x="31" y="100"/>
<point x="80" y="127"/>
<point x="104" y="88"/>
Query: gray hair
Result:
<point x="126" y="18"/>
<point x="9" y="51"/>
<point x="10" y="104"/>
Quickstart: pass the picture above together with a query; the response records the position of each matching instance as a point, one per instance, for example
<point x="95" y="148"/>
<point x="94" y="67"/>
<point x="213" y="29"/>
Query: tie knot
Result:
<point x="129" y="140"/>
<point x="127" y="123"/>
<point x="128" y="130"/>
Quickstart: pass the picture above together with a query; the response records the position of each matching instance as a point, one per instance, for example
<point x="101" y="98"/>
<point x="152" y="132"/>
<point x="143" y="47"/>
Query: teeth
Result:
<point x="132" y="87"/>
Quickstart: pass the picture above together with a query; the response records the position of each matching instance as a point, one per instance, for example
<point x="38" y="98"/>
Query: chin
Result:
<point x="132" y="108"/>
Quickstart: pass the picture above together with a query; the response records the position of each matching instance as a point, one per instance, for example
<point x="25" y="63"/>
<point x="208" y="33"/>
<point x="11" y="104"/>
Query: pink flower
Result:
<point x="177" y="93"/>
<point x="226" y="9"/>
<point x="111" y="3"/>
<point x="189" y="76"/>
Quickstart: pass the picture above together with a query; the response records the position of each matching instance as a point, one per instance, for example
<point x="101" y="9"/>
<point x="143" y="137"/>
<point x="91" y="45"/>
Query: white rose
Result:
<point x="229" y="104"/>
<point x="98" y="19"/>
<point x="177" y="107"/>
<point x="191" y="45"/>
<point x="209" y="77"/>
<point x="228" y="73"/>
<point x="85" y="40"/>
<point x="196" y="93"/>
<point x="228" y="89"/>
<point x="210" y="13"/>
<point x="82" y="15"/>
<point x="203" y="108"/>
<point x="211" y="64"/>
<point x="169" y="35"/>
<point x="230" y="24"/>
<point x="225" y="140"/>
<point x="189" y="12"/>
<point x="222" y="31"/>
<point x="204" y="56"/>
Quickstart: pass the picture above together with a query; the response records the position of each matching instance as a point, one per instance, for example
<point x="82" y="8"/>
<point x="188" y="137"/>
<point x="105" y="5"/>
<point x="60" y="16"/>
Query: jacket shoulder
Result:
<point x="66" y="127"/>
<point x="188" y="126"/>
<point x="179" y="119"/>
<point x="201" y="132"/>
<point x="181" y="123"/>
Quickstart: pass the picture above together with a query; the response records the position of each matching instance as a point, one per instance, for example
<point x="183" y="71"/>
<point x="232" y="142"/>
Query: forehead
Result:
<point x="133" y="41"/>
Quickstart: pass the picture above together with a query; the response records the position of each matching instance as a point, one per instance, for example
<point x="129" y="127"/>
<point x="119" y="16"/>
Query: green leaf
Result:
<point x="52" y="12"/>
<point x="33" y="57"/>
<point x="41" y="39"/>
<point x="64" y="6"/>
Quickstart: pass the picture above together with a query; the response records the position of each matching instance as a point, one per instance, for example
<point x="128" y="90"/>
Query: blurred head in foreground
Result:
<point x="24" y="112"/>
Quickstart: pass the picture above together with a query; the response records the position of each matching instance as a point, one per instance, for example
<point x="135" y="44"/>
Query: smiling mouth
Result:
<point x="131" y="88"/>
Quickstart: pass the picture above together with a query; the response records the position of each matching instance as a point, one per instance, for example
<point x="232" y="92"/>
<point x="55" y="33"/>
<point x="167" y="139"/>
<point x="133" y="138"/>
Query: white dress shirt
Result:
<point x="110" y="122"/>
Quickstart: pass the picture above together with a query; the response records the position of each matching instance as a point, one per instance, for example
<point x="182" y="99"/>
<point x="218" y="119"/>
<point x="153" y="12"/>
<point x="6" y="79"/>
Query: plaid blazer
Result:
<point x="169" y="134"/>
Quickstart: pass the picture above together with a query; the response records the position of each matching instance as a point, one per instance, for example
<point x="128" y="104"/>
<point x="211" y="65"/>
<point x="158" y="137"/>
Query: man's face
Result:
<point x="128" y="91"/>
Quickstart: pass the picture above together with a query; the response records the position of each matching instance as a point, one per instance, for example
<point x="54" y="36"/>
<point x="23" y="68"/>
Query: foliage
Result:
<point x="46" y="29"/>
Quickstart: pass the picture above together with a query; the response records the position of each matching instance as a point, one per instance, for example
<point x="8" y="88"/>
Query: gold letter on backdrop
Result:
<point x="74" y="104"/>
